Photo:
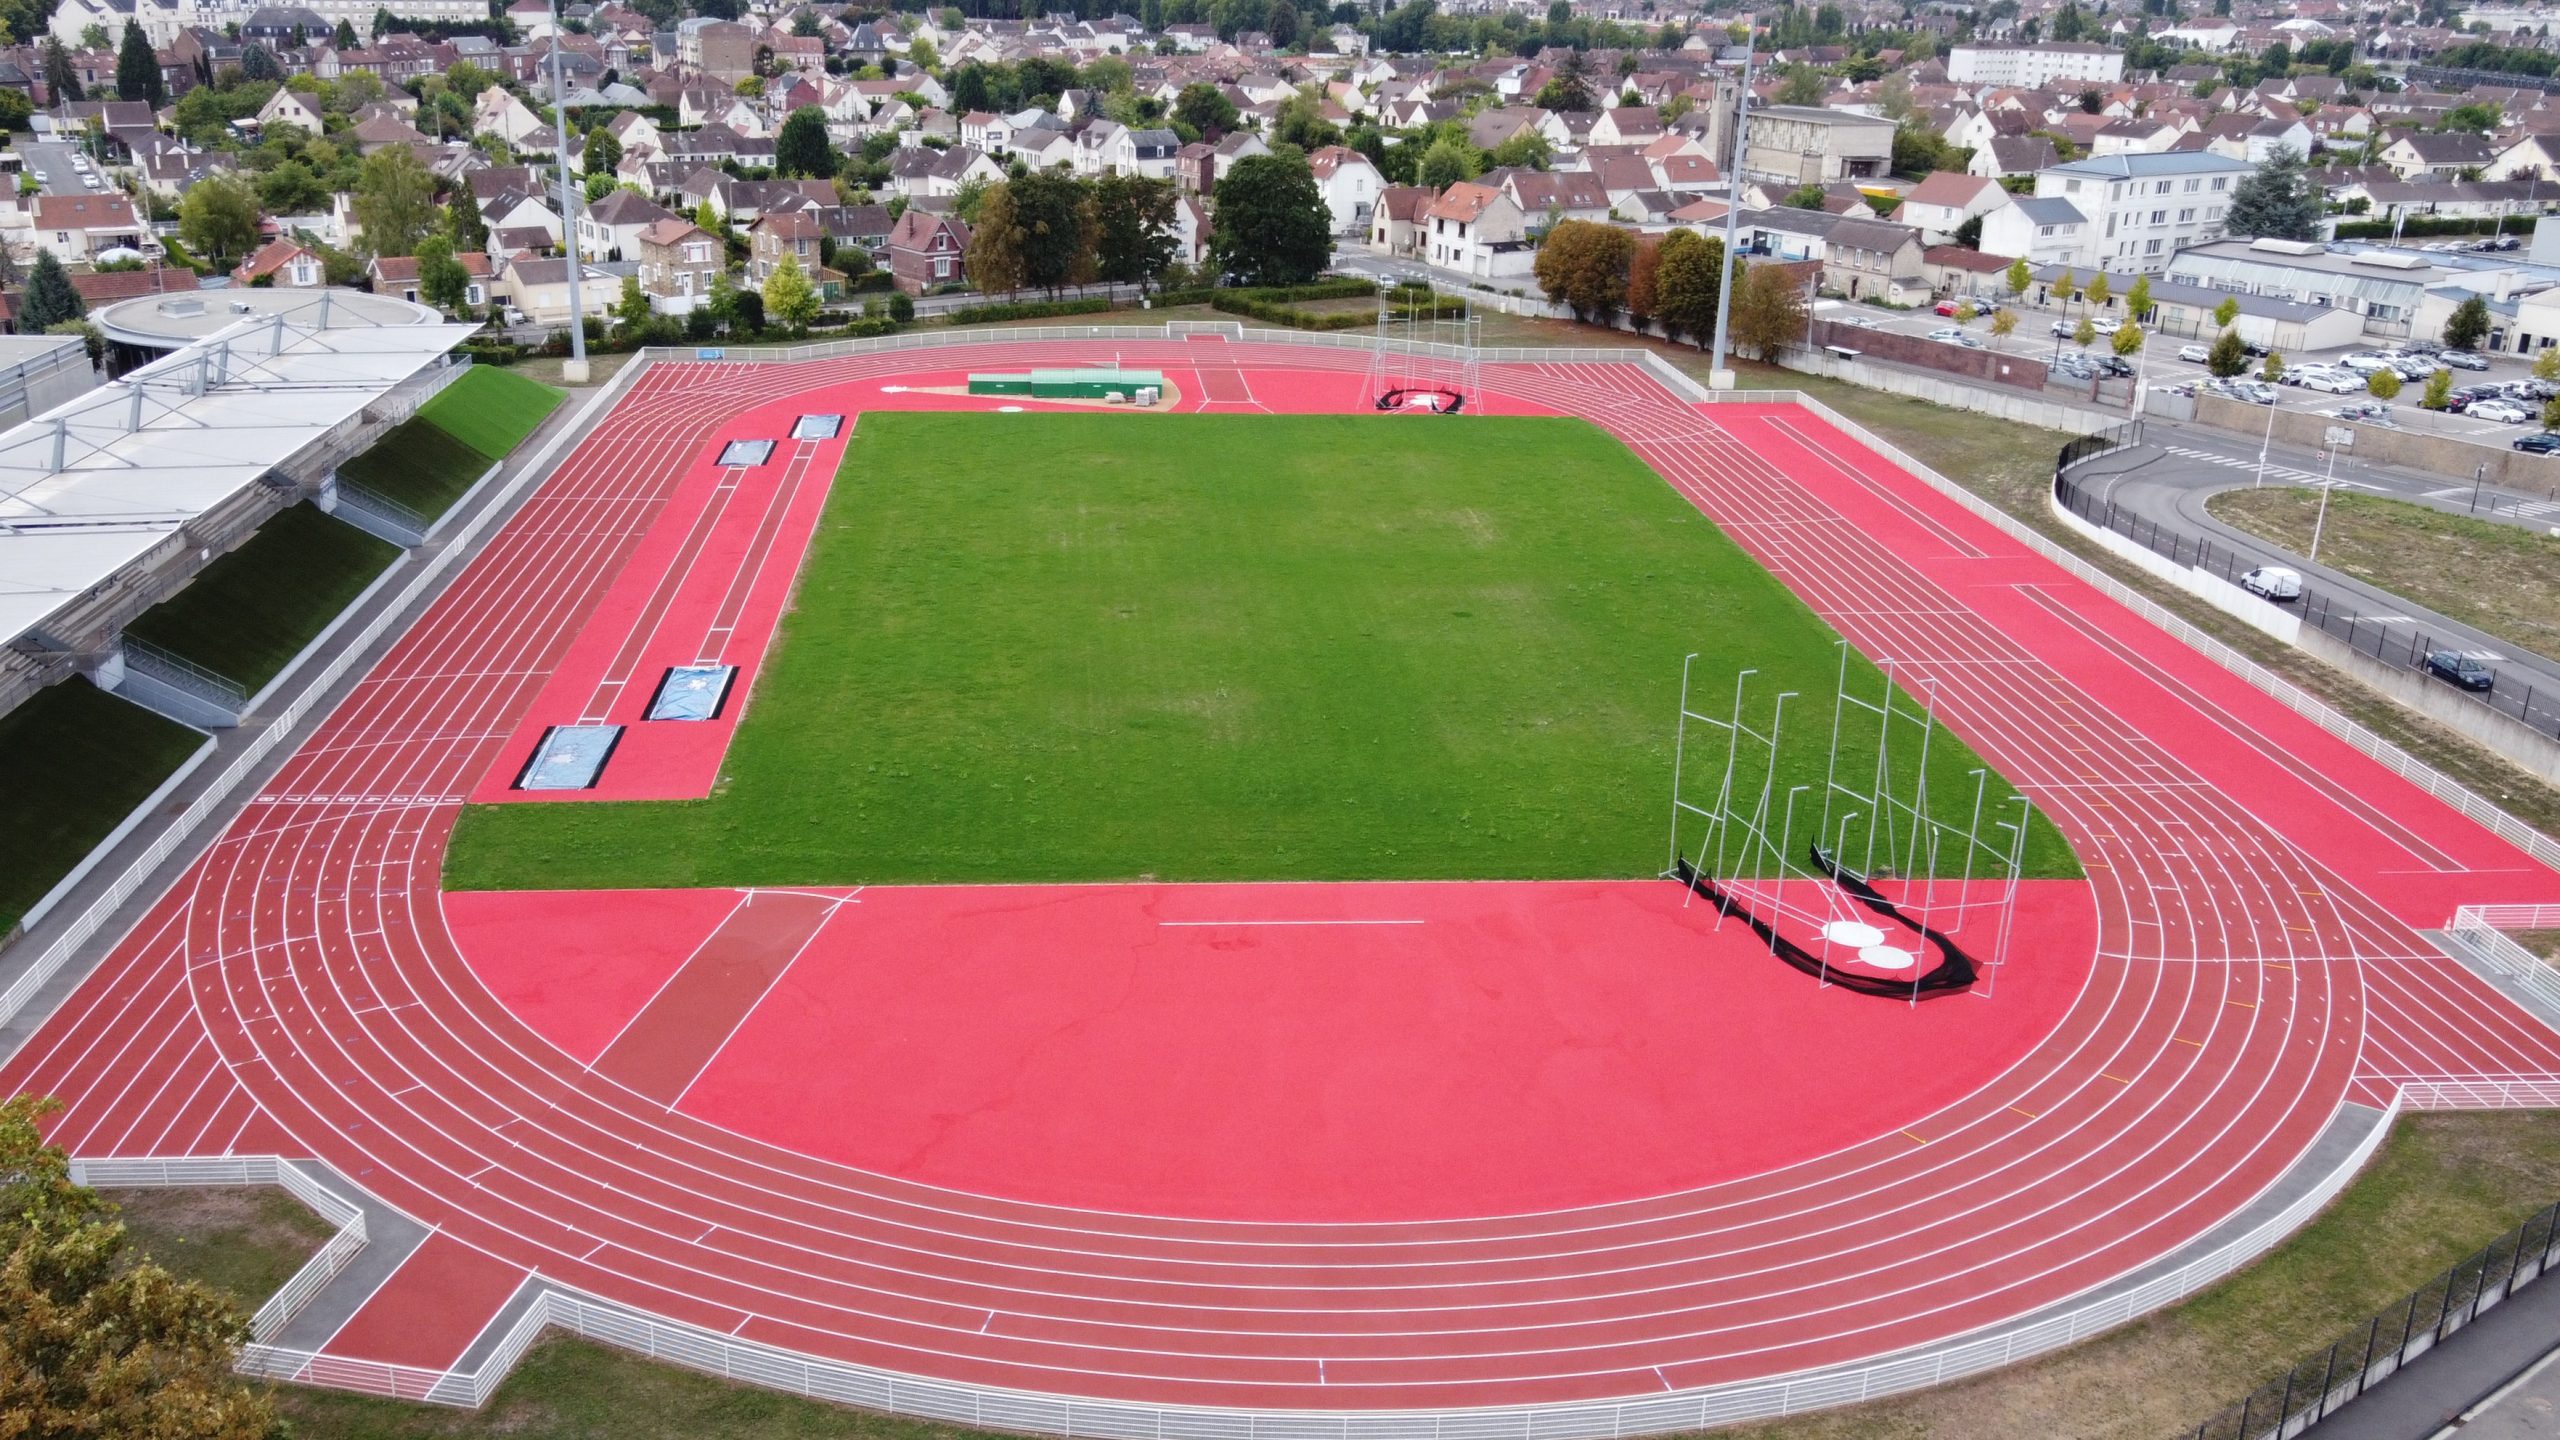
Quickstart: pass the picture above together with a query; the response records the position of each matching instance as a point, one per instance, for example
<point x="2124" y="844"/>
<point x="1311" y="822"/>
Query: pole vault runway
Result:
<point x="2244" y="960"/>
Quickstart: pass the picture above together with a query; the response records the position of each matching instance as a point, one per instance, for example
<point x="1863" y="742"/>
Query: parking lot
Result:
<point x="2327" y="383"/>
<point x="56" y="166"/>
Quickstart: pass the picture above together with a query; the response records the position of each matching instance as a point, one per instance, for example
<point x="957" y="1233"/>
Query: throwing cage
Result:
<point x="1861" y="887"/>
<point x="1426" y="359"/>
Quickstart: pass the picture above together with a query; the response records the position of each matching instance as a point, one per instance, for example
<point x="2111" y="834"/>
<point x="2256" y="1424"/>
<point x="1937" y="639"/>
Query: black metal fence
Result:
<point x="2394" y="640"/>
<point x="2369" y="1353"/>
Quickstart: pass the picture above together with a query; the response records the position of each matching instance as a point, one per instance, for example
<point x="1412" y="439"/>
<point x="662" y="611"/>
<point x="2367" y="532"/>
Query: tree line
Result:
<point x="1048" y="231"/>
<point x="1674" y="281"/>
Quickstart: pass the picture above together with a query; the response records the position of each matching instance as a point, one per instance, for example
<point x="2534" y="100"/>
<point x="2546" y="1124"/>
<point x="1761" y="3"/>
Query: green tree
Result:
<point x="1803" y="85"/>
<point x="2277" y="201"/>
<point x="463" y="224"/>
<point x="1272" y="225"/>
<point x="97" y="1339"/>
<point x="2004" y="323"/>
<point x="2137" y="301"/>
<point x="2383" y="384"/>
<point x="1583" y="264"/>
<point x="1966" y="312"/>
<point x="629" y="308"/>
<point x="219" y="217"/>
<point x="2086" y="333"/>
<point x="1570" y="90"/>
<point x="395" y="200"/>
<point x="789" y="298"/>
<point x="2227" y="311"/>
<point x="2551" y="413"/>
<point x="2468" y="325"/>
<point x="344" y="37"/>
<point x="722" y="300"/>
<point x="2098" y="291"/>
<point x="1527" y="150"/>
<point x="2546" y="366"/>
<point x="603" y="155"/>
<point x="288" y="189"/>
<point x="1804" y="197"/>
<point x="50" y="297"/>
<point x="2018" y="277"/>
<point x="138" y="69"/>
<point x="802" y="147"/>
<point x="2228" y="357"/>
<point x="1688" y="281"/>
<point x="59" y="81"/>
<point x="1447" y="161"/>
<point x="2127" y="341"/>
<point x="2439" y="391"/>
<point x="442" y="280"/>
<point x="2271" y="369"/>
<point x="2066" y="289"/>
<point x="1301" y="122"/>
<point x="1055" y="217"/>
<point x="17" y="112"/>
<point x="1133" y="229"/>
<point x="995" y="246"/>
<point x="1205" y="108"/>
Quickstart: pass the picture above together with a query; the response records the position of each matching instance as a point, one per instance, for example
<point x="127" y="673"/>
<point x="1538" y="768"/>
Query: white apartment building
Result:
<point x="2144" y="209"/>
<point x="2035" y="67"/>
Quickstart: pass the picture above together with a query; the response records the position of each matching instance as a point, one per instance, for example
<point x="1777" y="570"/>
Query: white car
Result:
<point x="42" y="177"/>
<point x="2504" y="412"/>
<point x="2103" y="324"/>
<point x="2365" y="362"/>
<point x="2333" y="382"/>
<point x="2197" y="353"/>
<point x="1950" y="335"/>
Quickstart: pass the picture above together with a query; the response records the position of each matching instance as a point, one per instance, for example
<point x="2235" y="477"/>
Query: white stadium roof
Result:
<point x="92" y="485"/>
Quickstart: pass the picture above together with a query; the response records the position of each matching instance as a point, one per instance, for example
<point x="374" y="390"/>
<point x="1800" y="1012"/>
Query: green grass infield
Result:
<point x="1096" y="647"/>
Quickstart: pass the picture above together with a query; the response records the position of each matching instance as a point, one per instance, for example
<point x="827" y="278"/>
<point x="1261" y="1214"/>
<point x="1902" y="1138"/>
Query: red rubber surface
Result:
<point x="2253" y="885"/>
<point x="1300" y="1052"/>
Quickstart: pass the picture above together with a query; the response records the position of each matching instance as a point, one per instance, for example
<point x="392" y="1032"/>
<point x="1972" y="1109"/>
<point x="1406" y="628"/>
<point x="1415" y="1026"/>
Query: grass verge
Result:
<point x="429" y="461"/>
<point x="2501" y="579"/>
<point x="1352" y="648"/>
<point x="77" y="760"/>
<point x="250" y="612"/>
<point x="2443" y="1186"/>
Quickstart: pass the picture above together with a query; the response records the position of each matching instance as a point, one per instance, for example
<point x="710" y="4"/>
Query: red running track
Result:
<point x="2254" y="886"/>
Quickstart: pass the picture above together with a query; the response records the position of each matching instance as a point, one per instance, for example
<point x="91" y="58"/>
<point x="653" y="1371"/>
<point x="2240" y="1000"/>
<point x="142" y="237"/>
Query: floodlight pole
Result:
<point x="574" y="369"/>
<point x="1717" y="375"/>
<point x="1679" y="750"/>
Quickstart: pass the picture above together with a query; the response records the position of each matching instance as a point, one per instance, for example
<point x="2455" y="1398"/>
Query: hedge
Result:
<point x="2421" y="226"/>
<point x="1028" y="310"/>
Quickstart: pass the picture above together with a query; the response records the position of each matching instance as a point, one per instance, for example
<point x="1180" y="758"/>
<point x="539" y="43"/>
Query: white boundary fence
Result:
<point x="1020" y="1410"/>
<point x="2479" y="927"/>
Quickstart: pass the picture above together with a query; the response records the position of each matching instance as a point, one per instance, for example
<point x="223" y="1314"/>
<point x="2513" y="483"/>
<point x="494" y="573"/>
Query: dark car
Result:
<point x="2540" y="442"/>
<point x="2460" y="669"/>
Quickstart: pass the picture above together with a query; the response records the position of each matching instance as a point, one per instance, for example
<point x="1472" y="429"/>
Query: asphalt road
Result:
<point x="53" y="159"/>
<point x="2168" y="478"/>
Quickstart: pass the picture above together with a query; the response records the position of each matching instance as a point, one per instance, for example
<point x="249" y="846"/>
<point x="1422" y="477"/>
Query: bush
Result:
<point x="1027" y="310"/>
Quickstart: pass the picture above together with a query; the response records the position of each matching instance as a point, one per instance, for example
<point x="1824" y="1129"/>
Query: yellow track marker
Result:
<point x="2103" y="1075"/>
<point x="1917" y="1139"/>
<point x="2030" y="1114"/>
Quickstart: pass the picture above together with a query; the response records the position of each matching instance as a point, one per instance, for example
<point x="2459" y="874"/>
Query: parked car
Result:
<point x="2503" y="412"/>
<point x="2273" y="582"/>
<point x="2365" y="362"/>
<point x="2540" y="442"/>
<point x="1950" y="335"/>
<point x="2103" y="324"/>
<point x="2255" y="392"/>
<point x="2460" y="360"/>
<point x="2456" y="668"/>
<point x="2197" y="353"/>
<point x="2371" y="412"/>
<point x="2116" y="366"/>
<point x="2334" y="382"/>
<point x="1945" y="307"/>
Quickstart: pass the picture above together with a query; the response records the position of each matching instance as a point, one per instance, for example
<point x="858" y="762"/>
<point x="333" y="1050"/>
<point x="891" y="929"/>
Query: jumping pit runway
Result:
<point x="1505" y="1152"/>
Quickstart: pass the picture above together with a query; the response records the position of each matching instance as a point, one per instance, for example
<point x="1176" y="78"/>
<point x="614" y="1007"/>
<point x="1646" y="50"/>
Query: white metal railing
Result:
<point x="1232" y="329"/>
<point x="217" y="795"/>
<point x="2481" y="1092"/>
<point x="176" y="670"/>
<point x="2480" y="929"/>
<point x="289" y="1299"/>
<point x="770" y="1366"/>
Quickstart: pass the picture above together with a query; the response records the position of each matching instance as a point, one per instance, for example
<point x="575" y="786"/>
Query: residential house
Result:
<point x="398" y="275"/>
<point x="2143" y="209"/>
<point x="77" y="227"/>
<point x="1396" y="222"/>
<point x="928" y="251"/>
<point x="1940" y="204"/>
<point x="1874" y="259"/>
<point x="609" y="229"/>
<point x="2008" y="155"/>
<point x="540" y="289"/>
<point x="2047" y="230"/>
<point x="2420" y="155"/>
<point x="678" y="260"/>
<point x="286" y="107"/>
<point x="283" y="263"/>
<point x="1349" y="185"/>
<point x="1479" y="232"/>
<point x="794" y="233"/>
<point x="498" y="112"/>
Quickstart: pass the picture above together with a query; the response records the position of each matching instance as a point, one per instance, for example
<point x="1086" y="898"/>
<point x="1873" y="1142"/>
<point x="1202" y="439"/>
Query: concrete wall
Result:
<point x="2437" y="454"/>
<point x="1953" y="391"/>
<point x="2529" y="748"/>
<point x="1989" y="367"/>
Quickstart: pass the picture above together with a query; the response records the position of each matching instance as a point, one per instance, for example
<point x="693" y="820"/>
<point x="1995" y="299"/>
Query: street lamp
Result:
<point x="2268" y="441"/>
<point x="574" y="370"/>
<point x="2479" y="473"/>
